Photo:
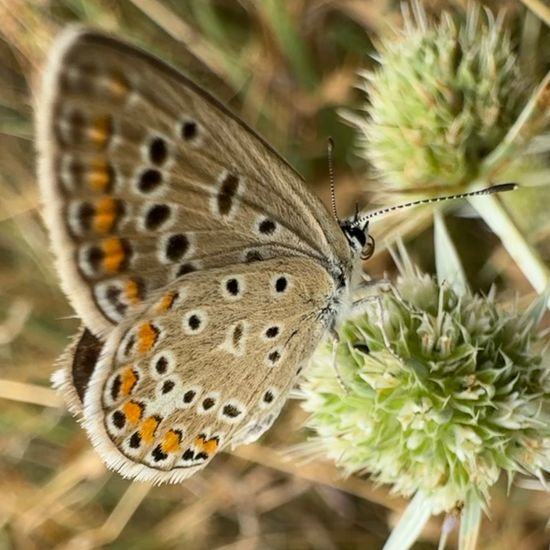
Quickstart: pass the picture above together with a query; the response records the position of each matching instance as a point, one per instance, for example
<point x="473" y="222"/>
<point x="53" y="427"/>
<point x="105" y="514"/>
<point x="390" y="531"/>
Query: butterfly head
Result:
<point x="356" y="229"/>
<point x="358" y="237"/>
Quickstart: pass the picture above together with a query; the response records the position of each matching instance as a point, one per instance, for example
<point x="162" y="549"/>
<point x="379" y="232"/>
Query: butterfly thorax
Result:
<point x="347" y="274"/>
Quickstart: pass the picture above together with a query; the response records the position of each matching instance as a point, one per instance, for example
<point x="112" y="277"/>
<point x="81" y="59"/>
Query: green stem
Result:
<point x="446" y="529"/>
<point x="526" y="256"/>
<point x="470" y="524"/>
<point x="449" y="270"/>
<point x="410" y="524"/>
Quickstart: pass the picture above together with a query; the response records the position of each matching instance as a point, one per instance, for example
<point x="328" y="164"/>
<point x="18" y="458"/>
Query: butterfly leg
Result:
<point x="367" y="282"/>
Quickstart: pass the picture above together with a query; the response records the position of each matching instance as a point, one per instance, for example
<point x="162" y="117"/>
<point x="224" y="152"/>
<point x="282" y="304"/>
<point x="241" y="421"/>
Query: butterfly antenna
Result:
<point x="487" y="191"/>
<point x="331" y="178"/>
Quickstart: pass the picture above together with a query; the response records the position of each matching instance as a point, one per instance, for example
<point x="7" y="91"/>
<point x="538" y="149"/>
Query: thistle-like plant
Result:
<point x="442" y="99"/>
<point x="444" y="391"/>
<point x="449" y="107"/>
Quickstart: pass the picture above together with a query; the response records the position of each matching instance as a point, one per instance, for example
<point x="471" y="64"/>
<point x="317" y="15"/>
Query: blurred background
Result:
<point x="288" y="67"/>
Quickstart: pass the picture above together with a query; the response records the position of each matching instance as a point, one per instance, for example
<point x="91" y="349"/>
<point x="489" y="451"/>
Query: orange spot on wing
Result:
<point x="113" y="254"/>
<point x="105" y="215"/>
<point x="133" y="411"/>
<point x="148" y="428"/>
<point x="147" y="337"/>
<point x="133" y="291"/>
<point x="208" y="446"/>
<point x="129" y="380"/>
<point x="167" y="301"/>
<point x="171" y="442"/>
<point x="99" y="177"/>
<point x="101" y="129"/>
<point x="118" y="86"/>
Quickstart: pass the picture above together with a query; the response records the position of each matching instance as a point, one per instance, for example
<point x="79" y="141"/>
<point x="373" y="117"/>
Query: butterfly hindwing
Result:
<point x="207" y="363"/>
<point x="145" y="178"/>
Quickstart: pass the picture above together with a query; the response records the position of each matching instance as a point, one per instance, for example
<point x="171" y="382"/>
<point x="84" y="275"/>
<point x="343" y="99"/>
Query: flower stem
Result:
<point x="470" y="524"/>
<point x="411" y="523"/>
<point x="449" y="524"/>
<point x="448" y="267"/>
<point x="526" y="256"/>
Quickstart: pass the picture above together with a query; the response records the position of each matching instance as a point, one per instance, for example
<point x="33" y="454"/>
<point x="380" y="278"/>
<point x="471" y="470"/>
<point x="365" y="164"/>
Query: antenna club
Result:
<point x="502" y="187"/>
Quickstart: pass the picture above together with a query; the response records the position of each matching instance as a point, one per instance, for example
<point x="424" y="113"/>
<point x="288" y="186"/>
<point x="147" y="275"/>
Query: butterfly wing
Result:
<point x="75" y="366"/>
<point x="145" y="178"/>
<point x="206" y="364"/>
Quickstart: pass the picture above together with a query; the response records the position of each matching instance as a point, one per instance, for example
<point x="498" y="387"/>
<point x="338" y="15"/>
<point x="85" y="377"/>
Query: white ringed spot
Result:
<point x="273" y="357"/>
<point x="175" y="247"/>
<point x="266" y="227"/>
<point x="195" y="321"/>
<point x="209" y="403"/>
<point x="268" y="397"/>
<point x="127" y="346"/>
<point x="150" y="181"/>
<point x="155" y="216"/>
<point x="189" y="131"/>
<point x="235" y="340"/>
<point x="157" y="150"/>
<point x="233" y="287"/>
<point x="232" y="411"/>
<point x="76" y="217"/>
<point x="280" y="284"/>
<point x="271" y="332"/>
<point x="190" y="394"/>
<point x="226" y="195"/>
<point x="168" y="388"/>
<point x="162" y="364"/>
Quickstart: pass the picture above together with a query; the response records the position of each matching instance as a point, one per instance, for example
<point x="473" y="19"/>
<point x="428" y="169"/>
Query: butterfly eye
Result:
<point x="368" y="249"/>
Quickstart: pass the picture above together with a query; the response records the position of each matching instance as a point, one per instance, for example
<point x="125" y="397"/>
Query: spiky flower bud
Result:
<point x="442" y="99"/>
<point x="442" y="393"/>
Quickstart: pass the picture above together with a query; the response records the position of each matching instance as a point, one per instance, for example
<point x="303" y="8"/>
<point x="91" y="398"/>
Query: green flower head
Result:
<point x="442" y="99"/>
<point x="443" y="392"/>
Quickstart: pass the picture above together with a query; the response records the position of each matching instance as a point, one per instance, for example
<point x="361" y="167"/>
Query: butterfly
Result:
<point x="204" y="272"/>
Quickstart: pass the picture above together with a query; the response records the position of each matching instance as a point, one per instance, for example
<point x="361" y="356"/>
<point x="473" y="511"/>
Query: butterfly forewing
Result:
<point x="147" y="178"/>
<point x="207" y="363"/>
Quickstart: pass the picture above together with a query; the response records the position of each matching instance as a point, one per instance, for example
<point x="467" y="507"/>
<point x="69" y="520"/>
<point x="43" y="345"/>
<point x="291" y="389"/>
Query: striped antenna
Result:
<point x="487" y="191"/>
<point x="331" y="177"/>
